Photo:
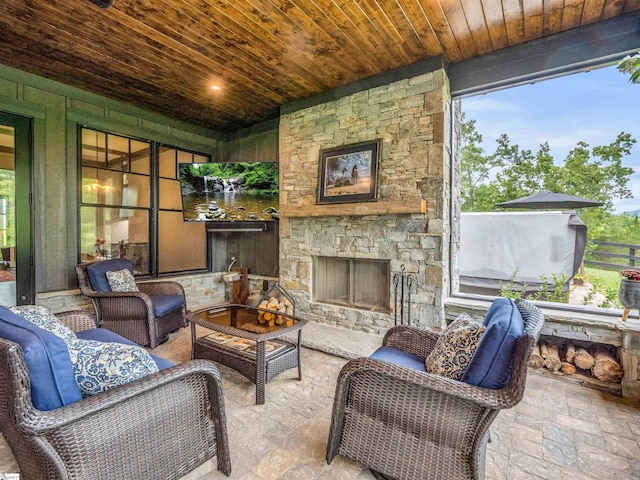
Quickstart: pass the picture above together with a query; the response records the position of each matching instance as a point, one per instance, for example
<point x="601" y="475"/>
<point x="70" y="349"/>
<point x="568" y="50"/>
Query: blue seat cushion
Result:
<point x="399" y="357"/>
<point x="53" y="383"/>
<point x="490" y="366"/>
<point x="97" y="272"/>
<point x="104" y="335"/>
<point x="163" y="304"/>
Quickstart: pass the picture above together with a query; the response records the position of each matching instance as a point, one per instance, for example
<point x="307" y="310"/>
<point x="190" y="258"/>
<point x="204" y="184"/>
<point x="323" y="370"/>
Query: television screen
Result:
<point x="229" y="192"/>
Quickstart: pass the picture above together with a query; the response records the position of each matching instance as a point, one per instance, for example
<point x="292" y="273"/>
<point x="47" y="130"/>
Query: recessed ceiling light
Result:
<point x="215" y="87"/>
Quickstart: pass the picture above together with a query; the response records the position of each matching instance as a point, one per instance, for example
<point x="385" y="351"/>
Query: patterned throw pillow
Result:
<point x="46" y="320"/>
<point x="455" y="347"/>
<point x="100" y="366"/>
<point x="122" y="281"/>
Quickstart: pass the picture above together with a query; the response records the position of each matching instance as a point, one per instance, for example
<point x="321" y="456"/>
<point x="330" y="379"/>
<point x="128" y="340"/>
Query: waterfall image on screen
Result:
<point x="229" y="192"/>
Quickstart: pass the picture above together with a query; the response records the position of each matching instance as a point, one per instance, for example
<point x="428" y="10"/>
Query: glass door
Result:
<point x="16" y="266"/>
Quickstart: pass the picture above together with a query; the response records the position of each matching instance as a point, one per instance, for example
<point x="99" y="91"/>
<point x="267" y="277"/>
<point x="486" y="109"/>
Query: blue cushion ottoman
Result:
<point x="490" y="366"/>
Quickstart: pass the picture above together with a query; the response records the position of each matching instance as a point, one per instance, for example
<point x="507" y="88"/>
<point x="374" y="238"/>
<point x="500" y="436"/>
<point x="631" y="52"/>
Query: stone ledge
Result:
<point x="609" y="319"/>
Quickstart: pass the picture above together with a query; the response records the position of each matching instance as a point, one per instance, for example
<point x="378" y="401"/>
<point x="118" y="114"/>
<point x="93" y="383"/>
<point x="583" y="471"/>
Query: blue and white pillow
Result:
<point x="97" y="366"/>
<point x="100" y="366"/>
<point x="122" y="281"/>
<point x="46" y="320"/>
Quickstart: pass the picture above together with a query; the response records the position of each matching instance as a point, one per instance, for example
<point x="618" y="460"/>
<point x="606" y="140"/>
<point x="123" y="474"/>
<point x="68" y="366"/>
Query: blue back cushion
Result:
<point x="53" y="383"/>
<point x="399" y="357"/>
<point x="104" y="335"/>
<point x="490" y="366"/>
<point x="97" y="272"/>
<point x="163" y="304"/>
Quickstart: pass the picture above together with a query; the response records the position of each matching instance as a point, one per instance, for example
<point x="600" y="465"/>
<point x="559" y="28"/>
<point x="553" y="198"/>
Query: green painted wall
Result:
<point x="57" y="110"/>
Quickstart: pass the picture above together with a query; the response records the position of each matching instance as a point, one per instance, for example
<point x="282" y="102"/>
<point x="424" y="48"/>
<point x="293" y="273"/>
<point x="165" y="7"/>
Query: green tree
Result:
<point x="631" y="65"/>
<point x="475" y="168"/>
<point x="595" y="173"/>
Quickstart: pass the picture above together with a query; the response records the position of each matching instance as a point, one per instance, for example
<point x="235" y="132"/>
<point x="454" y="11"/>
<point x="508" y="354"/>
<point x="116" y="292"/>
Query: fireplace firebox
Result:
<point x="354" y="282"/>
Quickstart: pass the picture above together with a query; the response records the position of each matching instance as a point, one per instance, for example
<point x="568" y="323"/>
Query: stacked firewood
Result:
<point x="277" y="308"/>
<point x="571" y="358"/>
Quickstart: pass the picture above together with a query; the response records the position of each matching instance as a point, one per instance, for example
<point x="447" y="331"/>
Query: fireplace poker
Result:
<point x="396" y="277"/>
<point x="409" y="286"/>
<point x="402" y="294"/>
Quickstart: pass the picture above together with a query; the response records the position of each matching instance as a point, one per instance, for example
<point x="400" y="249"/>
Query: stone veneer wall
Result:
<point x="201" y="290"/>
<point x="412" y="117"/>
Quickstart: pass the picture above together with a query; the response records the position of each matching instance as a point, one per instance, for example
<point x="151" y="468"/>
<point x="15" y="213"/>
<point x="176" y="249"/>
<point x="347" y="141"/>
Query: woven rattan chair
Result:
<point x="131" y="314"/>
<point x="161" y="426"/>
<point x="407" y="425"/>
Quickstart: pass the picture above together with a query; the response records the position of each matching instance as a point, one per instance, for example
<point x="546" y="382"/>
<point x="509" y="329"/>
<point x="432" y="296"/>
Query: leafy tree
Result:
<point x="595" y="173"/>
<point x="631" y="64"/>
<point x="475" y="167"/>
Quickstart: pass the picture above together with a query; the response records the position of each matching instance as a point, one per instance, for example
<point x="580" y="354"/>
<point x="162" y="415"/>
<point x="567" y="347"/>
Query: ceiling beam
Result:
<point x="574" y="50"/>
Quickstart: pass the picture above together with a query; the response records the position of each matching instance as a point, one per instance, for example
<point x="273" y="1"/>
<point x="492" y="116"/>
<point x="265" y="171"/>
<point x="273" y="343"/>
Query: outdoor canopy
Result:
<point x="546" y="199"/>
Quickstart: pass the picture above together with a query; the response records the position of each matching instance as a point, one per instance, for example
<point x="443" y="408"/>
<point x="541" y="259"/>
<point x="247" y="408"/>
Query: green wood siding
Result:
<point x="57" y="109"/>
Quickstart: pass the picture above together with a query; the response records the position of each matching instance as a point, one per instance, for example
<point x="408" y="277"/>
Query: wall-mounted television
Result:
<point x="229" y="192"/>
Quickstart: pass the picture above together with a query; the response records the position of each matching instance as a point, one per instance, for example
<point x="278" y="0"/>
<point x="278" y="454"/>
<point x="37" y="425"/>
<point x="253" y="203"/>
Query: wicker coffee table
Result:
<point x="255" y="350"/>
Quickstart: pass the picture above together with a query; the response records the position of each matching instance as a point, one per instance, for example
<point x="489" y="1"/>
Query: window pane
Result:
<point x="181" y="245"/>
<point x="140" y="155"/>
<point x="115" y="233"/>
<point x="93" y="148"/>
<point x="170" y="198"/>
<point x="118" y="153"/>
<point x="168" y="168"/>
<point x="185" y="157"/>
<point x="106" y="187"/>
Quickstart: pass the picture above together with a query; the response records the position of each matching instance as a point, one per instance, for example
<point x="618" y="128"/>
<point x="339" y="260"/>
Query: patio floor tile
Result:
<point x="557" y="431"/>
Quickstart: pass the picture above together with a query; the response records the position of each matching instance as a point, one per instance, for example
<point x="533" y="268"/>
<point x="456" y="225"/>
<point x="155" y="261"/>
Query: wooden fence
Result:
<point x="619" y="255"/>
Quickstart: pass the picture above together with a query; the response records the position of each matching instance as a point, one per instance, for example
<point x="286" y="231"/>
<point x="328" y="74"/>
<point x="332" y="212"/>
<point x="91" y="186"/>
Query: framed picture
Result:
<point x="349" y="173"/>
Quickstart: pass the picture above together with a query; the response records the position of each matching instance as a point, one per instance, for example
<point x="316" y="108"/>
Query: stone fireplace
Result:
<point x="407" y="225"/>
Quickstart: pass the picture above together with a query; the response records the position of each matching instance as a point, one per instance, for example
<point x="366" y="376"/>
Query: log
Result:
<point x="536" y="361"/>
<point x="583" y="359"/>
<point x="568" y="368"/>
<point x="543" y="349"/>
<point x="552" y="362"/>
<point x="569" y="352"/>
<point x="605" y="367"/>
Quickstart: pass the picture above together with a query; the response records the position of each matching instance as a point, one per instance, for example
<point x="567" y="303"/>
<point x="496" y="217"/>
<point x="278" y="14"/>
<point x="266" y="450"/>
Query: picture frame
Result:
<point x="349" y="173"/>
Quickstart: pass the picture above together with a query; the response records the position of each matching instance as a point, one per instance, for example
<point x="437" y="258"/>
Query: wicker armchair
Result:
<point x="131" y="314"/>
<point x="406" y="424"/>
<point x="161" y="426"/>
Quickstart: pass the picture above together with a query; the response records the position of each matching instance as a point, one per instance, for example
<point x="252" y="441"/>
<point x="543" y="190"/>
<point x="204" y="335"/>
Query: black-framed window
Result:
<point x="130" y="205"/>
<point x="182" y="246"/>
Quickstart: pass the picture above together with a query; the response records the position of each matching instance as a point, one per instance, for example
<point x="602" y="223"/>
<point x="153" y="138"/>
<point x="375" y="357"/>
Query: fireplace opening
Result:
<point x="353" y="282"/>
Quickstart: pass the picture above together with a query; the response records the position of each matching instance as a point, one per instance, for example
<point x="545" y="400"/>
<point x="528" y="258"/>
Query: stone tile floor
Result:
<point x="558" y="431"/>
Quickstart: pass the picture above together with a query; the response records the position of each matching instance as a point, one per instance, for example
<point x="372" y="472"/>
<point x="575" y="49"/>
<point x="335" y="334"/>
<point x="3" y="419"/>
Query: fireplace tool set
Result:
<point x="402" y="286"/>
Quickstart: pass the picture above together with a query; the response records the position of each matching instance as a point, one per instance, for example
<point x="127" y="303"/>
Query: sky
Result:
<point x="593" y="107"/>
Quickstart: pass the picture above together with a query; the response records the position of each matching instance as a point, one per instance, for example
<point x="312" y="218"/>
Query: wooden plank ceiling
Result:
<point x="165" y="55"/>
